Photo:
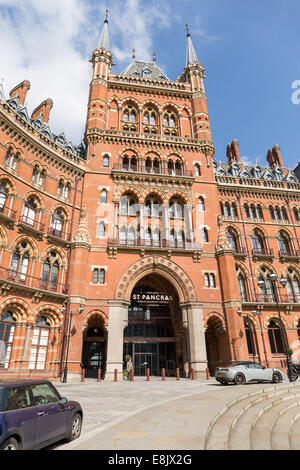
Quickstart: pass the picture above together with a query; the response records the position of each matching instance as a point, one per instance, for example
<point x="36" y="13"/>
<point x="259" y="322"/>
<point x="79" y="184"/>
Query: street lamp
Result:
<point x="283" y="282"/>
<point x="80" y="310"/>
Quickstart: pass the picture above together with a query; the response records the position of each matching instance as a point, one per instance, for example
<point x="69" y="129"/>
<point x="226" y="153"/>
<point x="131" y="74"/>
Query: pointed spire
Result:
<point x="133" y="53"/>
<point x="104" y="38"/>
<point x="191" y="56"/>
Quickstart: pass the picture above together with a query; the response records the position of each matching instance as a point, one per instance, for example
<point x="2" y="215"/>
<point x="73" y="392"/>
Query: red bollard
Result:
<point x="148" y="375"/>
<point x="99" y="375"/>
<point x="131" y="376"/>
<point x="82" y="375"/>
<point x="207" y="374"/>
<point x="116" y="375"/>
<point x="193" y="375"/>
<point x="178" y="376"/>
<point x="163" y="374"/>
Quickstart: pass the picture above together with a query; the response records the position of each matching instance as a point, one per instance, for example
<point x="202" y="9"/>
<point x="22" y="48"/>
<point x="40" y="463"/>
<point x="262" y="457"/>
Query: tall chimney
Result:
<point x="20" y="91"/>
<point x="43" y="110"/>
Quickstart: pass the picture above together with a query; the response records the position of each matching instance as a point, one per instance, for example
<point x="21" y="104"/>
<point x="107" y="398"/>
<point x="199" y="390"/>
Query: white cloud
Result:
<point x="49" y="43"/>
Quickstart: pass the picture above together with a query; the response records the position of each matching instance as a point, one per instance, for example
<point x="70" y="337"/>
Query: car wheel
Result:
<point x="276" y="378"/>
<point x="224" y="382"/>
<point x="10" y="444"/>
<point x="239" y="379"/>
<point x="75" y="427"/>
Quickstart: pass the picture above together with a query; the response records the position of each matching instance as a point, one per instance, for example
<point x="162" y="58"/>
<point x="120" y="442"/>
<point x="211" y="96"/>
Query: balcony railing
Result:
<point x="270" y="298"/>
<point x="262" y="252"/>
<point x="59" y="234"/>
<point x="153" y="170"/>
<point x="30" y="281"/>
<point x="289" y="254"/>
<point x="7" y="212"/>
<point x="138" y="242"/>
<point x="32" y="223"/>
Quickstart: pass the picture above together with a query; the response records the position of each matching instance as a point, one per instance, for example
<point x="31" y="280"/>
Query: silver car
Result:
<point x="247" y="372"/>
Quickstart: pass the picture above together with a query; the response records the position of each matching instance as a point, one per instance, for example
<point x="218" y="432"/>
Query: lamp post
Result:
<point x="65" y="374"/>
<point x="283" y="282"/>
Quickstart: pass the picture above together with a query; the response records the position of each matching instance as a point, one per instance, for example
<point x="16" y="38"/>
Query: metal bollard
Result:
<point x="148" y="375"/>
<point x="131" y="376"/>
<point x="177" y="372"/>
<point x="193" y="374"/>
<point x="99" y="375"/>
<point x="116" y="375"/>
<point x="163" y="374"/>
<point x="82" y="375"/>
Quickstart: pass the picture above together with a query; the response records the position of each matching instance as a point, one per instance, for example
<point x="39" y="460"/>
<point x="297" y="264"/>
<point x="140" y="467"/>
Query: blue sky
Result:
<point x="249" y="49"/>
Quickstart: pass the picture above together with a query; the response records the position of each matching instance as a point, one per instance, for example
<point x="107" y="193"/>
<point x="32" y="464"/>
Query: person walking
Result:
<point x="129" y="367"/>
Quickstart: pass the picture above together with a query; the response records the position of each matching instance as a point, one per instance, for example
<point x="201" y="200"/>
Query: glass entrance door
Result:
<point x="142" y="362"/>
<point x="93" y="358"/>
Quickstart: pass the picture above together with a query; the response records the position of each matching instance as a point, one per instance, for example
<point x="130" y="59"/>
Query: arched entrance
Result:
<point x="155" y="337"/>
<point x="94" y="347"/>
<point x="185" y="315"/>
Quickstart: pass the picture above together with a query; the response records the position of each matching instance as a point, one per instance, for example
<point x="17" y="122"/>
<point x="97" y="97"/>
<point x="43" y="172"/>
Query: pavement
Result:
<point x="185" y="414"/>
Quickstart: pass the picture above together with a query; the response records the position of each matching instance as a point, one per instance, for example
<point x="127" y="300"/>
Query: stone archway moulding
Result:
<point x="156" y="264"/>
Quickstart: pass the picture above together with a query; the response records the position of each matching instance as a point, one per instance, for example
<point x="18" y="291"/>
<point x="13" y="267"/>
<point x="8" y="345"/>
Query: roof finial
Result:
<point x="187" y="30"/>
<point x="154" y="56"/>
<point x="133" y="53"/>
<point x="106" y="16"/>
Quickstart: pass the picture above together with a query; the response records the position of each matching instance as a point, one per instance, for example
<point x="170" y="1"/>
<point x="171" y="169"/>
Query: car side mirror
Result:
<point x="63" y="401"/>
<point x="263" y="367"/>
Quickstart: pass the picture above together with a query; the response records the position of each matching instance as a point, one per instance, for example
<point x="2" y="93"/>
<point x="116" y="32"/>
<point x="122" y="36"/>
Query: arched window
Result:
<point x="176" y="208"/>
<point x="148" y="236"/>
<point x="11" y="159"/>
<point x="105" y="161"/>
<point x="19" y="262"/>
<point x="39" y="345"/>
<point x="232" y="238"/>
<point x="250" y="336"/>
<point x="201" y="203"/>
<point x="123" y="234"/>
<point x="293" y="286"/>
<point x="38" y="175"/>
<point x="266" y="292"/>
<point x="258" y="243"/>
<point x="50" y="272"/>
<point x="130" y="114"/>
<point x="204" y="235"/>
<point x="284" y="244"/>
<point x="131" y="236"/>
<point x="233" y="210"/>
<point x="242" y="287"/>
<point x="57" y="223"/>
<point x="29" y="211"/>
<point x="275" y="337"/>
<point x="7" y="330"/>
<point x="197" y="170"/>
<point x="170" y="122"/>
<point x="103" y="199"/>
<point x="3" y="194"/>
<point x="226" y="209"/>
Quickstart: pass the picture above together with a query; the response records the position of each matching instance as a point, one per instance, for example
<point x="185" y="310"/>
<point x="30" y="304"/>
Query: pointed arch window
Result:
<point x="7" y="331"/>
<point x="232" y="238"/>
<point x="293" y="286"/>
<point x="242" y="288"/>
<point x="19" y="265"/>
<point x="250" y="336"/>
<point x="101" y="229"/>
<point x="275" y="337"/>
<point x="29" y="211"/>
<point x="284" y="244"/>
<point x="201" y="203"/>
<point x="103" y="199"/>
<point x="3" y="195"/>
<point x="50" y="272"/>
<point x="258" y="243"/>
<point x="57" y="223"/>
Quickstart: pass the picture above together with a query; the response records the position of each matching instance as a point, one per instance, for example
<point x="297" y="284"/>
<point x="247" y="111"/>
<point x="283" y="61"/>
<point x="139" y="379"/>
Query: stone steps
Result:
<point x="265" y="419"/>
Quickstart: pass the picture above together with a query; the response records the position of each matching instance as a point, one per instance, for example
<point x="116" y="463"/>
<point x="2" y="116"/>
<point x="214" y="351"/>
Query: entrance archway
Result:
<point x="155" y="337"/>
<point x="94" y="347"/>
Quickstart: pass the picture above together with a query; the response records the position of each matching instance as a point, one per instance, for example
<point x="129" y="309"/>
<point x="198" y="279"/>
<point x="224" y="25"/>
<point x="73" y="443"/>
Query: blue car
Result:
<point x="33" y="415"/>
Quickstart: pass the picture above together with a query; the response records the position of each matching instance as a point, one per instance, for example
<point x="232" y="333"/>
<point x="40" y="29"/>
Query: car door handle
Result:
<point x="41" y="413"/>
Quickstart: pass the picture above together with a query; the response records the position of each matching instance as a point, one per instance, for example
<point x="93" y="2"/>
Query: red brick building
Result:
<point x="139" y="241"/>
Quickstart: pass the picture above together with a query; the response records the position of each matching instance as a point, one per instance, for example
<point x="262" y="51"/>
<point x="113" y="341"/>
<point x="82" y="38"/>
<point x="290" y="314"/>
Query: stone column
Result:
<point x="165" y="223"/>
<point x="116" y="221"/>
<point x="189" y="233"/>
<point x="196" y="335"/>
<point x="118" y="319"/>
<point x="141" y="234"/>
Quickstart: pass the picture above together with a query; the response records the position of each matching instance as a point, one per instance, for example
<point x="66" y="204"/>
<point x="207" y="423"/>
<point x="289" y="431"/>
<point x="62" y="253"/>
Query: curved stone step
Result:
<point x="294" y="434"/>
<point x="231" y="427"/>
<point x="281" y="428"/>
<point x="265" y="421"/>
<point x="239" y="434"/>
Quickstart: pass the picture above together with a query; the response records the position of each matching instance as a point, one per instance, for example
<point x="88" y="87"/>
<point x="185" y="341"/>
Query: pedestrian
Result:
<point x="129" y="367"/>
